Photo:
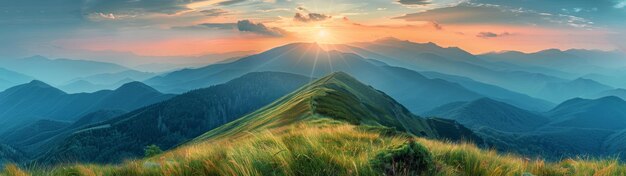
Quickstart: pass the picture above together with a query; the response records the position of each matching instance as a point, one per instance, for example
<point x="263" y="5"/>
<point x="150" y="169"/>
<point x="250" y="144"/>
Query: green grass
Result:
<point x="323" y="147"/>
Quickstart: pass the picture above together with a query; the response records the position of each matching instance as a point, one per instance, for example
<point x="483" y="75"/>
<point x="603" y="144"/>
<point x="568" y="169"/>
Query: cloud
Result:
<point x="209" y="26"/>
<point x="214" y="12"/>
<point x="306" y="16"/>
<point x="487" y="35"/>
<point x="472" y="13"/>
<point x="311" y="17"/>
<point x="414" y="2"/>
<point x="601" y="12"/>
<point x="620" y="4"/>
<point x="230" y="2"/>
<point x="260" y="28"/>
<point x="436" y="25"/>
<point x="135" y="6"/>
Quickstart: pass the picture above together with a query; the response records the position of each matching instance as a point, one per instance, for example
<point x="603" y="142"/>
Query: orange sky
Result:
<point x="526" y="39"/>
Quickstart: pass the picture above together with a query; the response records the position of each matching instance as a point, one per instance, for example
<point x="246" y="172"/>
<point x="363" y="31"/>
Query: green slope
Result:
<point x="170" y="123"/>
<point x="340" y="97"/>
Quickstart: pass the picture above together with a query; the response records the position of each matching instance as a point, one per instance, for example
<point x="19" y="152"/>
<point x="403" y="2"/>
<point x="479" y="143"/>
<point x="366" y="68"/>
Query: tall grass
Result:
<point x="328" y="149"/>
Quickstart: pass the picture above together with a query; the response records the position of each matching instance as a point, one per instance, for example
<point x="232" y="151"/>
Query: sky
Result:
<point x="192" y="28"/>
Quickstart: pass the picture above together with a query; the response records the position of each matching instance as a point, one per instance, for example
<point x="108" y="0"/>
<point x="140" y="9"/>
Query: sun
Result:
<point x="322" y="36"/>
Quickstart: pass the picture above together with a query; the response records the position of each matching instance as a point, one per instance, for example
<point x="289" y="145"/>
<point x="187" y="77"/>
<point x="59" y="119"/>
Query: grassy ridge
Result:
<point x="324" y="147"/>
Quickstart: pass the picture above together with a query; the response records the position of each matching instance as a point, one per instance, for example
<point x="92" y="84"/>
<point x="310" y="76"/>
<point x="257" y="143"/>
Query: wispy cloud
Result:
<point x="304" y="15"/>
<point x="214" y="12"/>
<point x="414" y="2"/>
<point x="471" y="13"/>
<point x="487" y="35"/>
<point x="260" y="28"/>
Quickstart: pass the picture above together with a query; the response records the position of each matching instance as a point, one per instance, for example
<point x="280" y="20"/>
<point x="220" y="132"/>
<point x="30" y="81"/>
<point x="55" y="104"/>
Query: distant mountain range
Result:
<point x="73" y="76"/>
<point x="577" y="126"/>
<point x="489" y="113"/>
<point x="104" y="81"/>
<point x="494" y="92"/>
<point x="452" y="61"/>
<point x="59" y="71"/>
<point x="561" y="91"/>
<point x="29" y="102"/>
<point x="417" y="92"/>
<point x="573" y="61"/>
<point x="10" y="78"/>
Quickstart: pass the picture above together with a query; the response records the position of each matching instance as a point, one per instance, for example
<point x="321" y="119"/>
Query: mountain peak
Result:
<point x="387" y="39"/>
<point x="35" y="87"/>
<point x="134" y="87"/>
<point x="550" y="52"/>
<point x="611" y="99"/>
<point x="602" y="113"/>
<point x="37" y="83"/>
<point x="577" y="103"/>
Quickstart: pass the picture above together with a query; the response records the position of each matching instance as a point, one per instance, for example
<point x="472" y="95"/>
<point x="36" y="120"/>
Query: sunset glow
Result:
<point x="190" y="29"/>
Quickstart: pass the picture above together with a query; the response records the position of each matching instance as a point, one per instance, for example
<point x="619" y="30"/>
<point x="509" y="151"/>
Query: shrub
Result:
<point x="152" y="150"/>
<point x="407" y="159"/>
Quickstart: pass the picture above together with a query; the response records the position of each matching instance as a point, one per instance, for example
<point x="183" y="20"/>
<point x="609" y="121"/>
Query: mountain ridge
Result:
<point x="339" y="97"/>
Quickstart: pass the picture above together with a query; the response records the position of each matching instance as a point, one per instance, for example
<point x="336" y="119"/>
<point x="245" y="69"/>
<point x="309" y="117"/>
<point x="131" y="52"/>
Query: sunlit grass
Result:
<point x="323" y="147"/>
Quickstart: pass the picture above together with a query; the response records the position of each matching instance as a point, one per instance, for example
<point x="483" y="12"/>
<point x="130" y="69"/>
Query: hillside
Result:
<point x="342" y="98"/>
<point x="38" y="100"/>
<point x="39" y="136"/>
<point x="9" y="154"/>
<point x="14" y="136"/>
<point x="169" y="123"/>
<point x="488" y="113"/>
<point x="604" y="113"/>
<point x="593" y="127"/>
